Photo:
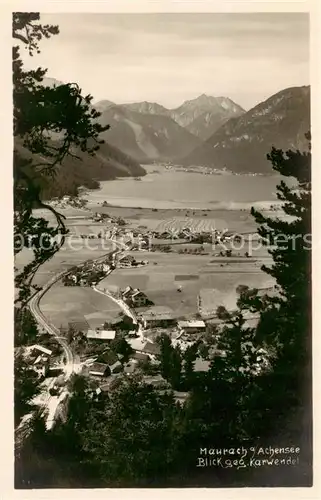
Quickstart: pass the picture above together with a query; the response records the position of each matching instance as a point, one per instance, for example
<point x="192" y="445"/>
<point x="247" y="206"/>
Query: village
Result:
<point x="130" y="343"/>
<point x="164" y="283"/>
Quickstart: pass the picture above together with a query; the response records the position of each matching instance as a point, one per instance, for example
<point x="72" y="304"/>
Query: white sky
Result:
<point x="168" y="58"/>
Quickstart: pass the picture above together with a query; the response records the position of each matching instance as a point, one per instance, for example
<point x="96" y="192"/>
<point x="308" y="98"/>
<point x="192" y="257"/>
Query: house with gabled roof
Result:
<point x="158" y="316"/>
<point x="99" y="370"/>
<point x="192" y="326"/>
<point x="102" y="335"/>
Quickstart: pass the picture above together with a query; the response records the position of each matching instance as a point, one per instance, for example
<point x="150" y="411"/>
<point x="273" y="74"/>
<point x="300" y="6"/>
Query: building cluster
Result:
<point x="42" y="361"/>
<point x="192" y="236"/>
<point x="134" y="297"/>
<point x="126" y="261"/>
<point x="69" y="201"/>
<point x="99" y="217"/>
<point x="87" y="274"/>
<point x="109" y="362"/>
<point x="39" y="358"/>
<point x="98" y="369"/>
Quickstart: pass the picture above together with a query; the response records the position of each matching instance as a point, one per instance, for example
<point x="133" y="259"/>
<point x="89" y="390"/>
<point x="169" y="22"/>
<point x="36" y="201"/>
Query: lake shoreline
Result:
<point x="164" y="189"/>
<point x="132" y="203"/>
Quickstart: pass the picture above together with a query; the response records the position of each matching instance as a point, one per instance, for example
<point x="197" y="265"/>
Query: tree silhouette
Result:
<point x="49" y="124"/>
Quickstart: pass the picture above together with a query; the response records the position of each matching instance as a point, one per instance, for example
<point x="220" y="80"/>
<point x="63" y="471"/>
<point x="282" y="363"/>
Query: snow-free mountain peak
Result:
<point x="146" y="107"/>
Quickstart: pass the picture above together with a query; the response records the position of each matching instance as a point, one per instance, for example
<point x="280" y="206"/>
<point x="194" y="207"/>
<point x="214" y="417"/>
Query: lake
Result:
<point x="162" y="188"/>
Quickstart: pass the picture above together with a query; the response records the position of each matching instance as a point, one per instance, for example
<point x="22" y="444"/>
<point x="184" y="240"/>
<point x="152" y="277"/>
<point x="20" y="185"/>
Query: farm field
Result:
<point x="238" y="250"/>
<point x="193" y="273"/>
<point x="157" y="219"/>
<point x="215" y="278"/>
<point x="62" y="304"/>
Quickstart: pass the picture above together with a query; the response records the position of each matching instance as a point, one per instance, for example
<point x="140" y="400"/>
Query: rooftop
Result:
<point x="151" y="348"/>
<point x="108" y="357"/>
<point x="155" y="380"/>
<point x="140" y="356"/>
<point x="38" y="347"/>
<point x="201" y="365"/>
<point x="101" y="335"/>
<point x="98" y="368"/>
<point x="137" y="344"/>
<point x="157" y="313"/>
<point x="115" y="365"/>
<point x="137" y="293"/>
<point x="191" y="324"/>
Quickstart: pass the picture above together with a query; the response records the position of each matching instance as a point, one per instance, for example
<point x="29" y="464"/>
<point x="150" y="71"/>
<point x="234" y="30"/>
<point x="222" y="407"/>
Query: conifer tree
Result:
<point x="49" y="124"/>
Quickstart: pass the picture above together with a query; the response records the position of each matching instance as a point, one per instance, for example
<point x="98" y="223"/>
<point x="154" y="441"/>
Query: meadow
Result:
<point x="214" y="278"/>
<point x="63" y="305"/>
<point x="166" y="273"/>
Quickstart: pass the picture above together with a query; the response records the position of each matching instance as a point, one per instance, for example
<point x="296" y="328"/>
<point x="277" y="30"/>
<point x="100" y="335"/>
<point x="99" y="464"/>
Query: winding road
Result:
<point x="71" y="362"/>
<point x="51" y="329"/>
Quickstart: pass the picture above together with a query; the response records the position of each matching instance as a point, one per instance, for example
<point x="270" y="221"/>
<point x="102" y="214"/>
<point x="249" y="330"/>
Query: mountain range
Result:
<point x="146" y="137"/>
<point x="149" y="132"/>
<point x="202" y="116"/>
<point x="206" y="131"/>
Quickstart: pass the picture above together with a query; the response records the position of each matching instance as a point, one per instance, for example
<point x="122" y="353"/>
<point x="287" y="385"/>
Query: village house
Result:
<point x="99" y="370"/>
<point x="201" y="365"/>
<point x="192" y="326"/>
<point x="151" y="349"/>
<point x="116" y="367"/>
<point x="137" y="344"/>
<point x="103" y="335"/>
<point x="139" y="299"/>
<point x="157" y="317"/>
<point x="157" y="381"/>
<point x="40" y="348"/>
<point x="134" y="297"/>
<point x="126" y="261"/>
<point x="105" y="267"/>
<point x="132" y="333"/>
<point x="140" y="356"/>
<point x="39" y="357"/>
<point x="130" y="367"/>
<point x="145" y="347"/>
<point x="127" y="292"/>
<point x="41" y="365"/>
<point x="120" y="324"/>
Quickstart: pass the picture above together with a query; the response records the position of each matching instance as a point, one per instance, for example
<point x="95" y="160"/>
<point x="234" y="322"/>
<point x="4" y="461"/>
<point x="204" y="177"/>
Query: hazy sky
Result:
<point x="168" y="58"/>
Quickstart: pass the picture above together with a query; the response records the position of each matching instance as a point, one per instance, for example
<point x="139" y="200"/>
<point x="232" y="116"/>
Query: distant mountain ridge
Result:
<point x="146" y="136"/>
<point x="241" y="144"/>
<point x="209" y="131"/>
<point x="201" y="116"/>
<point x="145" y="107"/>
<point x="148" y="131"/>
